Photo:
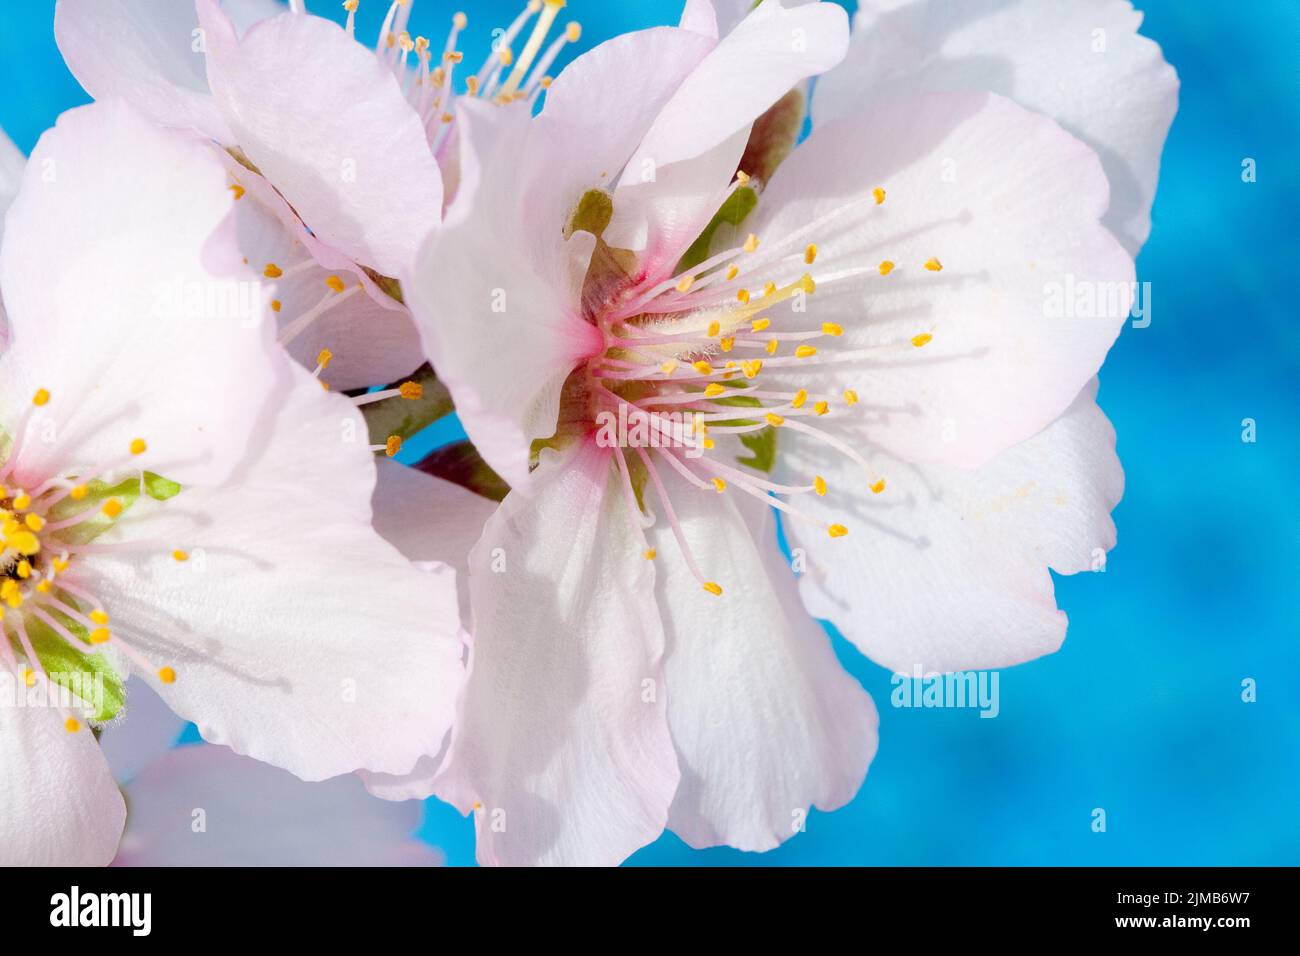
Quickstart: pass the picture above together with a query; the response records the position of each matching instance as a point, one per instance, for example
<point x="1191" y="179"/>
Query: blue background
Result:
<point x="1141" y="712"/>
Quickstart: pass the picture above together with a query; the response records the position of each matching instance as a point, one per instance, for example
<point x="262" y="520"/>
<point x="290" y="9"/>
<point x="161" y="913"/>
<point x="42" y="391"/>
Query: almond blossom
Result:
<point x="641" y="658"/>
<point x="339" y="145"/>
<point x="182" y="503"/>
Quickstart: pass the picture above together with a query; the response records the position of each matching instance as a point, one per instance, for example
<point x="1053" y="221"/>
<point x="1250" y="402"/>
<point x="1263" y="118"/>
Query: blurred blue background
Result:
<point x="1141" y="713"/>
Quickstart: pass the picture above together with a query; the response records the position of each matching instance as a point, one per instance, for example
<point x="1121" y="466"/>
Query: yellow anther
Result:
<point x="709" y="444"/>
<point x="179" y="555"/>
<point x="807" y="284"/>
<point x="276" y="305"/>
<point x="805" y="351"/>
<point x="99" y="617"/>
<point x="713" y="588"/>
<point x="685" y="284"/>
<point x="649" y="554"/>
<point x="393" y="445"/>
<point x="772" y="346"/>
<point x="573" y="32"/>
<point x="29" y="677"/>
<point x="933" y="264"/>
<point x="323" y="358"/>
<point x="800" y="397"/>
<point x="719" y="485"/>
<point x="743" y="296"/>
<point x="742" y="177"/>
<point x="810" y="254"/>
<point x="752" y="367"/>
<point x="25" y="543"/>
<point x="886" y="267"/>
<point x="24" y="569"/>
<point x="238" y="190"/>
<point x="547" y="81"/>
<point x="850" y="397"/>
<point x="923" y="339"/>
<point x="832" y="328"/>
<point x="41" y="397"/>
<point x="669" y="367"/>
<point x="272" y="271"/>
<point x="471" y="85"/>
<point x="751" y="243"/>
<point x="769" y="289"/>
<point x="837" y="531"/>
<point x="715" y="327"/>
<point x="411" y="390"/>
<point x="78" y="492"/>
<point x="167" y="675"/>
<point x="821" y="408"/>
<point x="460" y="21"/>
<point x="733" y="270"/>
<point x="45" y="586"/>
<point x="112" y="507"/>
<point x="758" y="325"/>
<point x="34" y="521"/>
<point x="703" y="367"/>
<point x="447" y="117"/>
<point x="773" y="419"/>
<point x="335" y="283"/>
<point x="23" y="502"/>
<point x="99" y="635"/>
<point x="878" y="487"/>
<point x="60" y="565"/>
<point x="727" y="343"/>
<point x="878" y="195"/>
<point x="72" y="725"/>
<point x="350" y="6"/>
<point x="714" y="389"/>
<point x="819" y="486"/>
<point x="405" y="42"/>
<point x="455" y="56"/>
<point x="138" y="446"/>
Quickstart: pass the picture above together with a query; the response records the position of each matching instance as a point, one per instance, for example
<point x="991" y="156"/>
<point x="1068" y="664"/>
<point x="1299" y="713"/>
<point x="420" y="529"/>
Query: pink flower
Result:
<point x="874" y="333"/>
<point x="182" y="503"/>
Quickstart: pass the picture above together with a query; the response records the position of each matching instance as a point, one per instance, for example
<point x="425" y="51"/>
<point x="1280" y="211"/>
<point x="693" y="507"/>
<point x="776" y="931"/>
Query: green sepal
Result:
<point x="61" y="661"/>
<point x="461" y="464"/>
<point x="405" y="417"/>
<point x="126" y="491"/>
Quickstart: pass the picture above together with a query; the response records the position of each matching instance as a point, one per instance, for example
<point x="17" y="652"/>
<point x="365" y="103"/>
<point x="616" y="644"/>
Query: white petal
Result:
<point x="765" y="720"/>
<point x="948" y="570"/>
<point x="297" y="634"/>
<point x="327" y="123"/>
<point x="1081" y="62"/>
<point x="59" y="805"/>
<point x="562" y="735"/>
<point x="1009" y="205"/>
<point x="11" y="173"/>
<point x="128" y="302"/>
<point x="256" y="815"/>
<point x="148" y="52"/>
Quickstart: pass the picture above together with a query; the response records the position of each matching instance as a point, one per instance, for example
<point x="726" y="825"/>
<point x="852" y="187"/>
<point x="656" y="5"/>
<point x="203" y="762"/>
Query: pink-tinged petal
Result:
<point x="501" y="318"/>
<point x="947" y="569"/>
<point x="765" y="720"/>
<point x="561" y="749"/>
<point x="148" y="52"/>
<point x="60" y="804"/>
<point x="327" y="123"/>
<point x="371" y="337"/>
<point x="128" y="302"/>
<point x="431" y="521"/>
<point x="146" y="730"/>
<point x="298" y="636"/>
<point x="700" y="17"/>
<point x="1082" y="62"/>
<point x="256" y="815"/>
<point x="981" y="334"/>
<point x="11" y="174"/>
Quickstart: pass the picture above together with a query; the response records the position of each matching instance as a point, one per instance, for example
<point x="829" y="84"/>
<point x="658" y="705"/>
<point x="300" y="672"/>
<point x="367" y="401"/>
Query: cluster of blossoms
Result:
<point x="668" y="321"/>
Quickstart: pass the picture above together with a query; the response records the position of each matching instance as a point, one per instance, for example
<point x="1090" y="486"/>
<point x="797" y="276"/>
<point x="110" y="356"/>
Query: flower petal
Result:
<point x="946" y="569"/>
<point x="298" y="636"/>
<point x="256" y="815"/>
<point x="122" y="280"/>
<point x="326" y="122"/>
<point x="61" y="806"/>
<point x="1082" y="62"/>
<point x="561" y="748"/>
<point x="990" y="219"/>
<point x="146" y="730"/>
<point x="149" y="52"/>
<point x="11" y="174"/>
<point x="765" y="720"/>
